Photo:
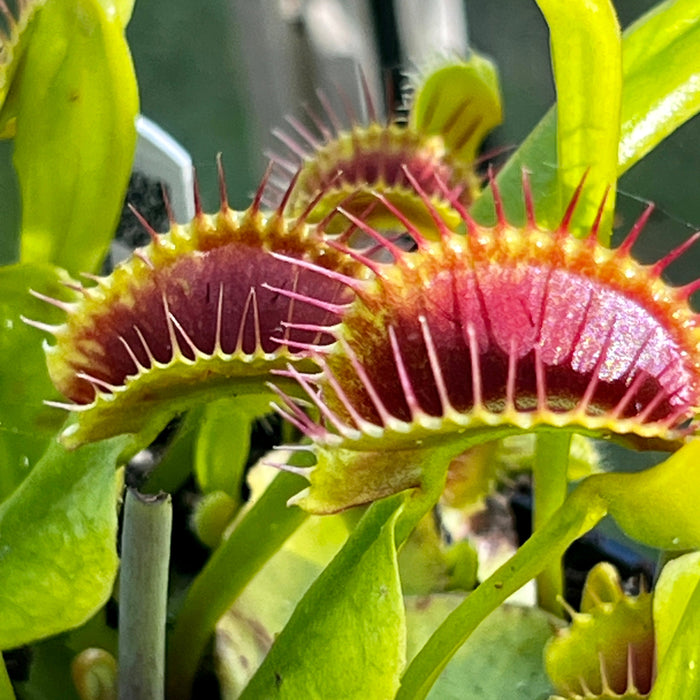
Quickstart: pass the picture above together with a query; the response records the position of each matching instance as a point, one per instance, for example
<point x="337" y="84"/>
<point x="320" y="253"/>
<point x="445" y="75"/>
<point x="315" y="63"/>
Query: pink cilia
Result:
<point x="471" y="337"/>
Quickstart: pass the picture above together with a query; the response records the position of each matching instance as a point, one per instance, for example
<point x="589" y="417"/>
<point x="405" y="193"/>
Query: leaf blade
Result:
<point x="587" y="61"/>
<point x="57" y="572"/>
<point x="223" y="443"/>
<point x="468" y="89"/>
<point x="352" y="617"/>
<point x="76" y="134"/>
<point x="539" y="149"/>
<point x="662" y="87"/>
<point x="679" y="671"/>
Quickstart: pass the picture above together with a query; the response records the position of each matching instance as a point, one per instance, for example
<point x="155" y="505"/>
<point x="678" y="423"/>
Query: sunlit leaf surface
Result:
<point x="461" y="102"/>
<point x="58" y="534"/>
<point x="502" y="659"/>
<point x="586" y="55"/>
<point x="76" y="106"/>
<point x="346" y="637"/>
<point x="652" y="85"/>
<point x="677" y="618"/>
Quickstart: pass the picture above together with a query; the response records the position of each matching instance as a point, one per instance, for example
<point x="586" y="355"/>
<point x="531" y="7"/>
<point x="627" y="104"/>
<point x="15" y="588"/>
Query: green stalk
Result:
<point x="587" y="60"/>
<point x="257" y="537"/>
<point x="422" y="500"/>
<point x="581" y="512"/>
<point x="549" y="491"/>
<point x="143" y="595"/>
<point x="6" y="690"/>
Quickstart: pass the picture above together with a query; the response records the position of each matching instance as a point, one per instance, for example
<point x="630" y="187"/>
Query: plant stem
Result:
<point x="422" y="500"/>
<point x="256" y="538"/>
<point x="6" y="690"/>
<point x="582" y="511"/>
<point x="143" y="595"/>
<point x="550" y="488"/>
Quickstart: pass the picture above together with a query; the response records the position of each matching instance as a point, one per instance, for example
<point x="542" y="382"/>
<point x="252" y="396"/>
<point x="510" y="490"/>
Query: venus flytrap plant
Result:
<point x="380" y="414"/>
<point x="214" y="322"/>
<point x="616" y="644"/>
<point x="219" y="341"/>
<point x="425" y="354"/>
<point x="392" y="361"/>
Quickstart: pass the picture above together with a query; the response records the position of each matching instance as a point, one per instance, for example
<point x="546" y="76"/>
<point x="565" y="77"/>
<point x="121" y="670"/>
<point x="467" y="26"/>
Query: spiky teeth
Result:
<point x="438" y="141"/>
<point x="352" y="163"/>
<point x="509" y="327"/>
<point x="608" y="651"/>
<point x="195" y="313"/>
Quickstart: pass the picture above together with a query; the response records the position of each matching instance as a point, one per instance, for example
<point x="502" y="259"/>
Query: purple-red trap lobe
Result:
<point x="387" y="168"/>
<point x="192" y="295"/>
<point x="347" y="166"/>
<point x="519" y="328"/>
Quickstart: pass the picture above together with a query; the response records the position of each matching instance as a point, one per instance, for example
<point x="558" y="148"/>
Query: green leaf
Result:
<point x="220" y="457"/>
<point x="672" y="592"/>
<point x="502" y="659"/>
<point x="657" y="506"/>
<point x="582" y="510"/>
<point x="26" y="424"/>
<point x="58" y="534"/>
<point x="460" y="101"/>
<point x="351" y="618"/>
<point x="175" y="465"/>
<point x="13" y="45"/>
<point x="427" y="565"/>
<point x="121" y="8"/>
<point x="49" y="672"/>
<point x="549" y="491"/>
<point x="247" y="630"/>
<point x="354" y="475"/>
<point x="6" y="689"/>
<point x="677" y="613"/>
<point x="75" y="139"/>
<point x="661" y="65"/>
<point x="587" y="60"/>
<point x="91" y="648"/>
<point x="213" y="513"/>
<point x="648" y="109"/>
<point x="223" y="443"/>
<point x="537" y="155"/>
